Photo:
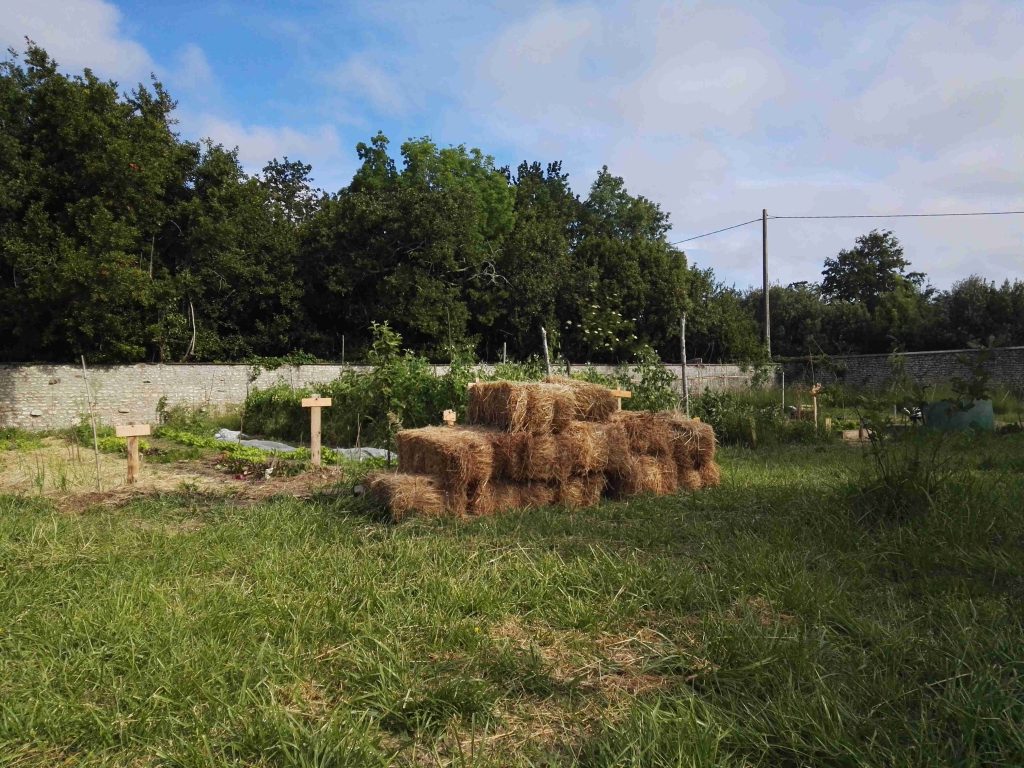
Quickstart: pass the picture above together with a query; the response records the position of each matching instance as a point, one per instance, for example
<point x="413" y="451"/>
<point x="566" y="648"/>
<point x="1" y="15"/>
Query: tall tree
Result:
<point x="873" y="267"/>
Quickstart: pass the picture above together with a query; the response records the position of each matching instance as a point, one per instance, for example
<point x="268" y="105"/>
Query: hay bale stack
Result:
<point x="578" y="491"/>
<point x="593" y="402"/>
<point x="502" y="495"/>
<point x="648" y="433"/>
<point x="524" y="456"/>
<point x="512" y="406"/>
<point x="404" y="494"/>
<point x="460" y="458"/>
<point x="656" y="475"/>
<point x="533" y="444"/>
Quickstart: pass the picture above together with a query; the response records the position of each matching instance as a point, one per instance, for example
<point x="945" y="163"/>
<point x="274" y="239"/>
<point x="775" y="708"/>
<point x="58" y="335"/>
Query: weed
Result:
<point x="908" y="474"/>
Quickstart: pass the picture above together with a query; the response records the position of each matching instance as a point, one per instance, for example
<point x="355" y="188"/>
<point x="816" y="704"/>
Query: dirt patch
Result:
<point x="609" y="670"/>
<point x="762" y="611"/>
<point x="66" y="474"/>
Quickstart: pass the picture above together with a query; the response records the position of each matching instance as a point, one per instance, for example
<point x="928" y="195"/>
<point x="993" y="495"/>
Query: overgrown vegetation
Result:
<point x="767" y="622"/>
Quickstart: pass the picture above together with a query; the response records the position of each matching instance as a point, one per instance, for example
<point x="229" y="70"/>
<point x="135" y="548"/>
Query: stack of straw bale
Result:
<point x="532" y="444"/>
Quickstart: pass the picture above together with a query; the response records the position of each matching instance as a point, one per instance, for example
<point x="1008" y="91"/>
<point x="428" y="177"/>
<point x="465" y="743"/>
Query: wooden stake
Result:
<point x="619" y="394"/>
<point x="448" y="417"/>
<point x="133" y="432"/>
<point x="315" y="403"/>
<point x="815" y="391"/>
<point x="92" y="417"/>
<point x="682" y="350"/>
<point x="544" y="341"/>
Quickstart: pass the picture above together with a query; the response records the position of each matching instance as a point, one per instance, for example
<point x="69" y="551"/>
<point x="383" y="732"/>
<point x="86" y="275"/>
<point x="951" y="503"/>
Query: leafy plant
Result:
<point x="907" y="475"/>
<point x="975" y="387"/>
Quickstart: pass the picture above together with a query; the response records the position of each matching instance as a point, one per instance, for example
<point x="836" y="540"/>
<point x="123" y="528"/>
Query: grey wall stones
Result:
<point x="1005" y="365"/>
<point x="54" y="396"/>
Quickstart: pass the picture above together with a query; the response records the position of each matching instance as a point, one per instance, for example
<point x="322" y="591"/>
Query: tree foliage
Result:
<point x="124" y="242"/>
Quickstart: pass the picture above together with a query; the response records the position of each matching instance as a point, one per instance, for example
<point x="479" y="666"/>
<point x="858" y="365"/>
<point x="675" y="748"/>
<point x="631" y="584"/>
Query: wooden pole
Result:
<point x="92" y="418"/>
<point x="504" y="351"/>
<point x="133" y="432"/>
<point x="133" y="460"/>
<point x="764" y="264"/>
<point x="314" y="436"/>
<point x="547" y="357"/>
<point x="315" y="403"/>
<point x="682" y="351"/>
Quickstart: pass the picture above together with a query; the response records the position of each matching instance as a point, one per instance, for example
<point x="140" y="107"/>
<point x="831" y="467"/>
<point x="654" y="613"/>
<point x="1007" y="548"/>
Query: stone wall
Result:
<point x="54" y="396"/>
<point x="1005" y="365"/>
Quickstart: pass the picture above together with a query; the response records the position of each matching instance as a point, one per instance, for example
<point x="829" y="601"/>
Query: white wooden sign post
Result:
<point x="133" y="432"/>
<point x="315" y="403"/>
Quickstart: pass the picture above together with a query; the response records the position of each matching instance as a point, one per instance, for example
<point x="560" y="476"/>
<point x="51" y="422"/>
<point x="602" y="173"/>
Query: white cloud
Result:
<point x="193" y="72"/>
<point x="78" y="34"/>
<point x="719" y="110"/>
<point x="258" y="144"/>
<point x="359" y="78"/>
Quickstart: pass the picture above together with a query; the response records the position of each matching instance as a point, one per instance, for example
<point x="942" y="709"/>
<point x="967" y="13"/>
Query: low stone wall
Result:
<point x="42" y="396"/>
<point x="1005" y="365"/>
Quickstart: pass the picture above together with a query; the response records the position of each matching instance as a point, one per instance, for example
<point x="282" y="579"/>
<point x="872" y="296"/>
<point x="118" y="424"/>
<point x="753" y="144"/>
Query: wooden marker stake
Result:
<point x="815" y="391"/>
<point x="133" y="432"/>
<point x="315" y="403"/>
<point x="621" y="393"/>
<point x="448" y="417"/>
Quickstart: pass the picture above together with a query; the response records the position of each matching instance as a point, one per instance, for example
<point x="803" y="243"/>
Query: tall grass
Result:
<point x="760" y="623"/>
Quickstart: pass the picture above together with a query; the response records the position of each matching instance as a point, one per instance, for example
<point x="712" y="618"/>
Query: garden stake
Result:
<point x="133" y="432"/>
<point x="315" y="403"/>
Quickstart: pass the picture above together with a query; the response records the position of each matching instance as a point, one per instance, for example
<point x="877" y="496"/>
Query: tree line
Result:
<point x="122" y="241"/>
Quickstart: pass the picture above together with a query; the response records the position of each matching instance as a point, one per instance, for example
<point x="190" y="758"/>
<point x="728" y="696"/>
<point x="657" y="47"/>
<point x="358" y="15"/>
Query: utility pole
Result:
<point x="764" y="262"/>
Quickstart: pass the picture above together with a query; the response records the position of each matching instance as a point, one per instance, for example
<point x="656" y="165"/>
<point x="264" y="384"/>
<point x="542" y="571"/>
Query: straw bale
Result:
<point x="710" y="474"/>
<point x="648" y="433"/>
<point x="593" y="402"/>
<point x="578" y="491"/>
<point x="535" y="407"/>
<point x="645" y="474"/>
<point x="582" y="448"/>
<point x="697" y="436"/>
<point x="690" y="479"/>
<point x="460" y="457"/>
<point x="524" y="456"/>
<point x="404" y="494"/>
<point x="618" y="446"/>
<point x="501" y="495"/>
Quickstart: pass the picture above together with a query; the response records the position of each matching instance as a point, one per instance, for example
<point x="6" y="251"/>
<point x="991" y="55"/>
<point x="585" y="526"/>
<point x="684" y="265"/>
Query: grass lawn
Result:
<point x="781" y="619"/>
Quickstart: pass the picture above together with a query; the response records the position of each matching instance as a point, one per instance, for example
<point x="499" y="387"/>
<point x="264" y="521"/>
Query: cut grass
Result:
<point x="761" y="623"/>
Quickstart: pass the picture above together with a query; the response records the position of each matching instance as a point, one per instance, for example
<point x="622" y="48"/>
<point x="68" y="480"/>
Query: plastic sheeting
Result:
<point x="231" y="436"/>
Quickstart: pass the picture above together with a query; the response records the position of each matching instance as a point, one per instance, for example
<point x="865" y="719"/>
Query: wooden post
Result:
<point x="448" y="417"/>
<point x="315" y="403"/>
<point x="544" y="341"/>
<point x="504" y="352"/>
<point x="682" y="350"/>
<point x="92" y="418"/>
<point x="815" y="391"/>
<point x="133" y="432"/>
<point x="621" y="393"/>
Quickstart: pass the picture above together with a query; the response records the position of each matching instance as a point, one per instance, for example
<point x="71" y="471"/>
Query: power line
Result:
<point x="723" y="229"/>
<point x="856" y="216"/>
<point x="903" y="215"/>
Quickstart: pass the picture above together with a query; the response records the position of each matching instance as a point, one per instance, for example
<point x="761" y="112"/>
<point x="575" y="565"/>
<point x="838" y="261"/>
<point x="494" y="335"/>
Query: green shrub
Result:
<point x="750" y="419"/>
<point x="14" y="439"/>
<point x="909" y="474"/>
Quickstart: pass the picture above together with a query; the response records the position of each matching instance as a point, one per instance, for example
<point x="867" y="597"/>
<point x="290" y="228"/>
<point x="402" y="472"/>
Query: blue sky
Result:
<point x="714" y="110"/>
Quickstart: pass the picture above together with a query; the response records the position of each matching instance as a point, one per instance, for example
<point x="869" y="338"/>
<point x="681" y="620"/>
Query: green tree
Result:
<point x="872" y="268"/>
